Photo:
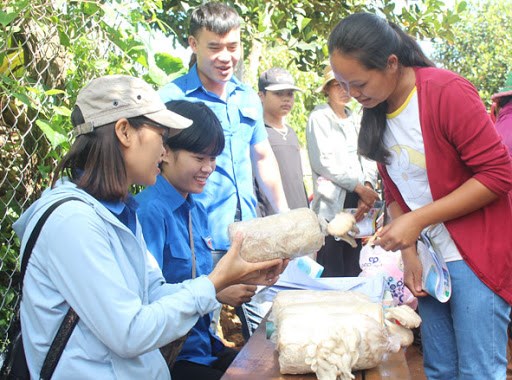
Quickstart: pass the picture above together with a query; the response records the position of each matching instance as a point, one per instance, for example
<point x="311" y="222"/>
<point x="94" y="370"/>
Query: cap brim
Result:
<point x="501" y="94"/>
<point x="279" y="87"/>
<point x="321" y="88"/>
<point x="326" y="82"/>
<point x="171" y="120"/>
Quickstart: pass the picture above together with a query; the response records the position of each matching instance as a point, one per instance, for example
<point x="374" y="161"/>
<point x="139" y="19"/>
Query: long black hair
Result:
<point x="371" y="40"/>
<point x="503" y="100"/>
<point x="204" y="136"/>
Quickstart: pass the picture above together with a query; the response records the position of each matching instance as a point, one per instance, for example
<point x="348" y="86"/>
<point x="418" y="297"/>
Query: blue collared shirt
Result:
<point x="164" y="216"/>
<point x="241" y="117"/>
<point x="126" y="212"/>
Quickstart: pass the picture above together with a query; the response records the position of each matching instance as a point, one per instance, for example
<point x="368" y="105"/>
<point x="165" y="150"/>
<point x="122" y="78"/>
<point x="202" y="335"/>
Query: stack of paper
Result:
<point x="295" y="278"/>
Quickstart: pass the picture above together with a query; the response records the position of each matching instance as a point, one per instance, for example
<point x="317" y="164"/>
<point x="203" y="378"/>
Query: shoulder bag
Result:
<point x="15" y="365"/>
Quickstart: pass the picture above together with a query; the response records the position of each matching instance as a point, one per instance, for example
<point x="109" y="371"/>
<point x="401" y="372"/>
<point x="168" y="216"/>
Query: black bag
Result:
<point x="15" y="363"/>
<point x="171" y="350"/>
<point x="15" y="366"/>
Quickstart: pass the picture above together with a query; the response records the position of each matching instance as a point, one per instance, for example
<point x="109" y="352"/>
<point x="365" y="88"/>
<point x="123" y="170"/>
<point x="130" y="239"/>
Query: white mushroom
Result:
<point x="404" y="315"/>
<point x="348" y="333"/>
<point x="343" y="227"/>
<point x="402" y="334"/>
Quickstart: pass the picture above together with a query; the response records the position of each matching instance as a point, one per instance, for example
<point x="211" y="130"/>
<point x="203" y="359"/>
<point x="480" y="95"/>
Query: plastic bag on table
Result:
<point x="375" y="260"/>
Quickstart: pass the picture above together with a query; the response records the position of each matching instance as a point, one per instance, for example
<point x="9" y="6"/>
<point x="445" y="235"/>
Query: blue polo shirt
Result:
<point x="164" y="214"/>
<point x="241" y="117"/>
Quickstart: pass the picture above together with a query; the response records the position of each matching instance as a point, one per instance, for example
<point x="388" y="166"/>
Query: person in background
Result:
<point x="276" y="88"/>
<point x="175" y="228"/>
<point x="448" y="176"/>
<point x="341" y="177"/>
<point x="91" y="256"/>
<point x="214" y="37"/>
<point x="502" y="112"/>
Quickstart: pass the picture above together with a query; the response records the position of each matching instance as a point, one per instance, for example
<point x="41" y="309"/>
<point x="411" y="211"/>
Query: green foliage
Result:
<point x="302" y="26"/>
<point x="480" y="50"/>
<point x="49" y="50"/>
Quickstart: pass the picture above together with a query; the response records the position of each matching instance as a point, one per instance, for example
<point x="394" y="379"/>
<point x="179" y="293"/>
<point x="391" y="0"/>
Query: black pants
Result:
<point x="185" y="370"/>
<point x="338" y="258"/>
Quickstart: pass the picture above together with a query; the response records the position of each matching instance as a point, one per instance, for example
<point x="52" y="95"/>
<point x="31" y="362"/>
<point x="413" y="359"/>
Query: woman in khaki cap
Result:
<point x="91" y="256"/>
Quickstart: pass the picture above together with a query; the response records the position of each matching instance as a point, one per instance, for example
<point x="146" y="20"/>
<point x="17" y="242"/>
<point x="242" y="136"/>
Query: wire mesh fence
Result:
<point x="48" y="50"/>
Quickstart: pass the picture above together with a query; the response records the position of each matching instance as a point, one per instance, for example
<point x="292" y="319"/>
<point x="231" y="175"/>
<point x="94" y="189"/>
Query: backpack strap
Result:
<point x="59" y="344"/>
<point x="35" y="234"/>
<point x="71" y="319"/>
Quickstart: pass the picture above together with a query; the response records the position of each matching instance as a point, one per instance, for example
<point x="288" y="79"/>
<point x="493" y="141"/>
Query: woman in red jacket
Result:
<point x="446" y="174"/>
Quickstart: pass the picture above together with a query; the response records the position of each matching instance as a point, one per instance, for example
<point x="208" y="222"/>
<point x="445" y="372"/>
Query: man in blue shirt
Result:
<point x="228" y="196"/>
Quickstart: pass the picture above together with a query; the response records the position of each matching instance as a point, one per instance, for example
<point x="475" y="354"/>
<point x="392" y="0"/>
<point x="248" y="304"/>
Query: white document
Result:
<point x="435" y="278"/>
<point x="295" y="278"/>
<point x="373" y="220"/>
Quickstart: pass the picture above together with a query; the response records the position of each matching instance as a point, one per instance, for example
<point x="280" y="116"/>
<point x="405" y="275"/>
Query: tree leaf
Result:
<point x="168" y="63"/>
<point x="56" y="138"/>
<point x="7" y="18"/>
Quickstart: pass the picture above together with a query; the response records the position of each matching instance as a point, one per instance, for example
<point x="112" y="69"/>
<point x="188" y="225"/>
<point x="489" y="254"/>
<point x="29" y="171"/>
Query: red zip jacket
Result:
<point x="462" y="143"/>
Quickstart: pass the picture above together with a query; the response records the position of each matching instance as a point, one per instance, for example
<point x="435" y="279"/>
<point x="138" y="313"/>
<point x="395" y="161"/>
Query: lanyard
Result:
<point x="191" y="240"/>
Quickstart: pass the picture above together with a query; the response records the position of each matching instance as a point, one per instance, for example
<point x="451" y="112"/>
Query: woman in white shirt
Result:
<point x="341" y="178"/>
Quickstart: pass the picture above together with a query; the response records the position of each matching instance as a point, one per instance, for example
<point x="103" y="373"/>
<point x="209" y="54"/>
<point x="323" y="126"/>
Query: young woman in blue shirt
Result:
<point x="175" y="226"/>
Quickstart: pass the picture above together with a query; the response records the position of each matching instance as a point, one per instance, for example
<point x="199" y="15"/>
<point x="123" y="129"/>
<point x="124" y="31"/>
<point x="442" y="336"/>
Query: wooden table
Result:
<point x="258" y="361"/>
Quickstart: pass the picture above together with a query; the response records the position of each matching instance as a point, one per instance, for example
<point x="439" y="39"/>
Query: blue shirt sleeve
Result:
<point x="171" y="91"/>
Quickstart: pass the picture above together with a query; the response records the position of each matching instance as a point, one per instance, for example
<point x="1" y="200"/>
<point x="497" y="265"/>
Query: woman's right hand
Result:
<point x="232" y="269"/>
<point x="413" y="271"/>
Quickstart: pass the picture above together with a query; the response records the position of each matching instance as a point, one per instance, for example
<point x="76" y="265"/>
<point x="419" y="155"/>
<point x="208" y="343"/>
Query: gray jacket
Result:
<point x="336" y="167"/>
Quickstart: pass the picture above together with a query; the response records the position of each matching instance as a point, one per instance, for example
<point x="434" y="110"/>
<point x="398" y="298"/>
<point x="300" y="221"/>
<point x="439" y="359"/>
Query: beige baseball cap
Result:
<point x="107" y="99"/>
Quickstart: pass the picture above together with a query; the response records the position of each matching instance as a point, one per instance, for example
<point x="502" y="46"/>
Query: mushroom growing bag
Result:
<point x="330" y="333"/>
<point x="290" y="234"/>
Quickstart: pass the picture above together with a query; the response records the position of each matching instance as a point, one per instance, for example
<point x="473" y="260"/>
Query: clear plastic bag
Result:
<point x="287" y="235"/>
<point x="374" y="260"/>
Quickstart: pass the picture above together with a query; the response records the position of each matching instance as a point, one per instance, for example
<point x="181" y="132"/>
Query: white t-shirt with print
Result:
<point x="407" y="168"/>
